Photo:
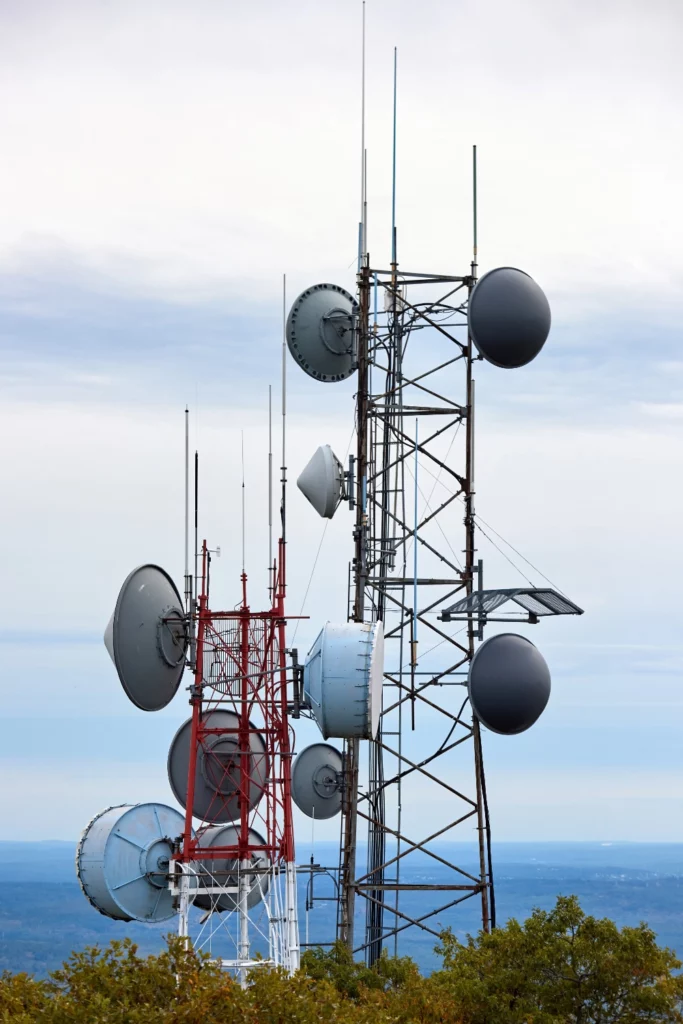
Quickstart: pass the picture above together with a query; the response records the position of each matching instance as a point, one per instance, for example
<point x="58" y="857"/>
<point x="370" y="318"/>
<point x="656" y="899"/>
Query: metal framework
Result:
<point x="240" y="665"/>
<point x="414" y="493"/>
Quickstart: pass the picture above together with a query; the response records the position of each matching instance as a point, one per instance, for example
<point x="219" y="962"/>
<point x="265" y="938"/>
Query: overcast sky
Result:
<point x="164" y="164"/>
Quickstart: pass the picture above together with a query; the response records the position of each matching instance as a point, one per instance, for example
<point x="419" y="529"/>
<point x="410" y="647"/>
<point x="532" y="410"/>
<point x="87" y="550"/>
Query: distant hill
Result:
<point x="44" y="915"/>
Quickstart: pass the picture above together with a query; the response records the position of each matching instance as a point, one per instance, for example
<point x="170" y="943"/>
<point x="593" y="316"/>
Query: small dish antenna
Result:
<point x="508" y="317"/>
<point x="508" y="684"/>
<point x="226" y="871"/>
<point x="219" y="785"/>
<point x="343" y="676"/>
<point x="317" y="781"/>
<point x="147" y="638"/>
<point x="321" y="332"/>
<point x="123" y="859"/>
<point x="322" y="482"/>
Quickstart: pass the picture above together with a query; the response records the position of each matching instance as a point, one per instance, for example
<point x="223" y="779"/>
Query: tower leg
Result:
<point x="243" y="948"/>
<point x="293" y="949"/>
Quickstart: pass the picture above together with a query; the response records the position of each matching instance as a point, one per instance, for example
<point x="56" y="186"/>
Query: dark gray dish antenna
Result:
<point x="508" y="317"/>
<point x="321" y="332"/>
<point x="508" y="684"/>
<point x="317" y="781"/>
<point x="218" y="782"/>
<point x="147" y="637"/>
<point x="217" y="871"/>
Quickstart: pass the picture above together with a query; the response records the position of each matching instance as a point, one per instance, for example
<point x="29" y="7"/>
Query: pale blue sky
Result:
<point x="164" y="171"/>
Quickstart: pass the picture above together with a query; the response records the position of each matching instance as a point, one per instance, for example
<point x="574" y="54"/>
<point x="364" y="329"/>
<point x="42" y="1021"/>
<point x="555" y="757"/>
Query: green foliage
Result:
<point x="559" y="967"/>
<point x="562" y="967"/>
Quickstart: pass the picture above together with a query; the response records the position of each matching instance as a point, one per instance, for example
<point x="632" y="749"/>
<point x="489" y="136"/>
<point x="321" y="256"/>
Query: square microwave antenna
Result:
<point x="322" y="482"/>
<point x="321" y="332"/>
<point x="147" y="638"/>
<point x="317" y="781"/>
<point x="508" y="684"/>
<point x="224" y="775"/>
<point x="123" y="860"/>
<point x="343" y="676"/>
<point x="508" y="317"/>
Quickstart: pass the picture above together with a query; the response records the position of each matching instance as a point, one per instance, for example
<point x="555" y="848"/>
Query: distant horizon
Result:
<point x="437" y="842"/>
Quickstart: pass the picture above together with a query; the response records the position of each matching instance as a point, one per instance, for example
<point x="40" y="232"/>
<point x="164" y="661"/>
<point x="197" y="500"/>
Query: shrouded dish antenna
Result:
<point x="226" y="871"/>
<point x="343" y="676"/>
<point x="147" y="638"/>
<point x="321" y="332"/>
<point x="317" y="781"/>
<point x="225" y="773"/>
<point x="508" y="317"/>
<point x="123" y="858"/>
<point x="508" y="684"/>
<point x="322" y="482"/>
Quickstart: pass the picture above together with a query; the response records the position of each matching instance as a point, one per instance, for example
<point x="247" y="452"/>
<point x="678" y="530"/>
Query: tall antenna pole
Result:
<point x="284" y="410"/>
<point x="243" y="511"/>
<point x="196" y="522"/>
<point x="363" y="232"/>
<point x="270" y="489"/>
<point x="474" y="213"/>
<point x="188" y="578"/>
<point x="393" y="171"/>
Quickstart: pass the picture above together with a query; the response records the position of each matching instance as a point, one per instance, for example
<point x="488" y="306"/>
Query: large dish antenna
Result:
<point x="226" y="871"/>
<point x="322" y="482"/>
<point x="508" y="317"/>
<point x="220" y="781"/>
<point x="317" y="781"/>
<point x="147" y="638"/>
<point x="321" y="332"/>
<point x="122" y="861"/>
<point x="343" y="676"/>
<point x="508" y="684"/>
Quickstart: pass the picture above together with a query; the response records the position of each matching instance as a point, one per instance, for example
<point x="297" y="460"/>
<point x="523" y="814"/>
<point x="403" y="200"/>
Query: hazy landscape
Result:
<point x="44" y="915"/>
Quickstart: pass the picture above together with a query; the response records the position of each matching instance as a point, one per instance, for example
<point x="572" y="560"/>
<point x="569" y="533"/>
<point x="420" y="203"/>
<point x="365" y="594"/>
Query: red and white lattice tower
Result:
<point x="240" y="753"/>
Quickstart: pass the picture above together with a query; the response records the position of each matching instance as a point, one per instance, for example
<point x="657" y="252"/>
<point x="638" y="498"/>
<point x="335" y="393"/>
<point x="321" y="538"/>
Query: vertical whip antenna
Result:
<point x="270" y="489"/>
<point x="243" y="509"/>
<point x="188" y="578"/>
<point x="474" y="211"/>
<point x="363" y="223"/>
<point x="196" y="522"/>
<point x="393" y="169"/>
<point x="284" y="406"/>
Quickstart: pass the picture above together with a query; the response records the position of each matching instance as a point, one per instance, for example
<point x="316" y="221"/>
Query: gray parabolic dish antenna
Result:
<point x="321" y="332"/>
<point x="220" y="763"/>
<point x="508" y="684"/>
<point x="146" y="638"/>
<point x="508" y="317"/>
<point x="316" y="781"/>
<point x="322" y="482"/>
<point x="343" y="676"/>
<point x="123" y="858"/>
<point x="226" y="870"/>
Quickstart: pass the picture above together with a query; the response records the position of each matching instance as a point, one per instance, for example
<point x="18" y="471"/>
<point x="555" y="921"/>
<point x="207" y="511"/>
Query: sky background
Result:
<point x="164" y="164"/>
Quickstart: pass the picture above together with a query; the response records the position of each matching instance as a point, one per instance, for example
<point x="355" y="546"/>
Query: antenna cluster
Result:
<point x="407" y="695"/>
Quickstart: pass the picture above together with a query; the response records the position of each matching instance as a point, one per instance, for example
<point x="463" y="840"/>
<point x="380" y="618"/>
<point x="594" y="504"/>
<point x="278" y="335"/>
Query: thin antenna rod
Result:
<point x="196" y="521"/>
<point x="188" y="583"/>
<point x="363" y="155"/>
<point x="284" y="405"/>
<point x="270" y="488"/>
<point x="393" y="170"/>
<point x="414" y="652"/>
<point x="474" y="210"/>
<point x="243" y="510"/>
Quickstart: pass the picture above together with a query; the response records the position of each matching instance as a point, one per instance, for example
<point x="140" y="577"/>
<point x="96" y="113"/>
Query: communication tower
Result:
<point x="413" y="340"/>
